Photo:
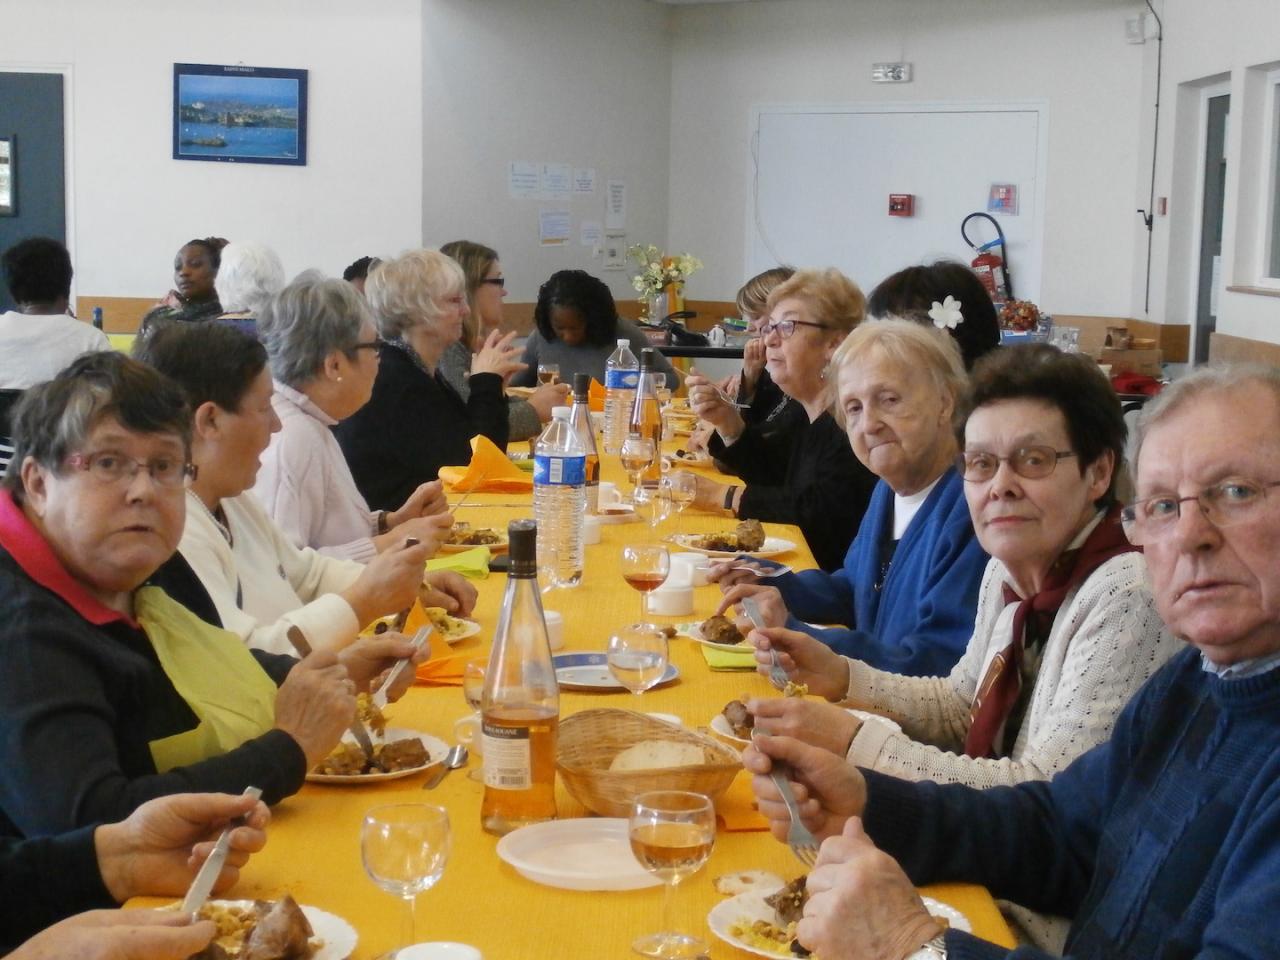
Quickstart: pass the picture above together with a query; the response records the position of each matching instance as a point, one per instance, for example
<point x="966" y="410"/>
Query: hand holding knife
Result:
<point x="207" y="876"/>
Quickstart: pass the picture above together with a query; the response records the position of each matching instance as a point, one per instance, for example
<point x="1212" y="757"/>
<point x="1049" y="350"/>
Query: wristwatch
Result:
<point x="935" y="949"/>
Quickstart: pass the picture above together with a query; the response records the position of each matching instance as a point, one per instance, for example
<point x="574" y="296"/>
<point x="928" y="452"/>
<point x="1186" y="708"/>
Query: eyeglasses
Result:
<point x="496" y="281"/>
<point x="786" y="328"/>
<point x="111" y="468"/>
<point x="1234" y="500"/>
<point x="373" y="344"/>
<point x="1030" y="463"/>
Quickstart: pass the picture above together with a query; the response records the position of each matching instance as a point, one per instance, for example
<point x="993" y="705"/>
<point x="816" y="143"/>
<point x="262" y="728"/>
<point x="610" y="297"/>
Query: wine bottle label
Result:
<point x="622" y="379"/>
<point x="508" y="761"/>
<point x="559" y="471"/>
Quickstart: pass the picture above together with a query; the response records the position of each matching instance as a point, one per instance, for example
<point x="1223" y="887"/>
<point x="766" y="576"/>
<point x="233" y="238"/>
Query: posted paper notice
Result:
<point x="556" y="179"/>
<point x="522" y="179"/>
<point x="615" y="211"/>
<point x="553" y="228"/>
<point x="584" y="180"/>
<point x="590" y="233"/>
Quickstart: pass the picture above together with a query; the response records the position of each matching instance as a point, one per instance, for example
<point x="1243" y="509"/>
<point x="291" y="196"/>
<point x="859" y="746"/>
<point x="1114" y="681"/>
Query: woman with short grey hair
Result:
<point x="415" y="423"/>
<point x="323" y="352"/>
<point x="249" y="275"/>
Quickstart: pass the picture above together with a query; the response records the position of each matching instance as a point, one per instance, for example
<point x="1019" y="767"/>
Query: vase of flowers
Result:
<point x="660" y="279"/>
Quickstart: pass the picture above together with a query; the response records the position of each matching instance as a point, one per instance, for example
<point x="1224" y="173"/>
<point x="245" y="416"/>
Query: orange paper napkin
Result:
<point x="489" y="470"/>
<point x="444" y="668"/>
<point x="736" y="807"/>
<point x="595" y="397"/>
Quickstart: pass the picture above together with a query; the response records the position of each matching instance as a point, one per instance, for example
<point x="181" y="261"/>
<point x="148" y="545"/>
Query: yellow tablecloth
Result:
<point x="314" y="849"/>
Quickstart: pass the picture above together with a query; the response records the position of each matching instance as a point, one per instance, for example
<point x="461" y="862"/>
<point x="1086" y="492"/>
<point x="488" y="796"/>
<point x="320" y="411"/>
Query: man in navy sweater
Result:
<point x="1163" y="843"/>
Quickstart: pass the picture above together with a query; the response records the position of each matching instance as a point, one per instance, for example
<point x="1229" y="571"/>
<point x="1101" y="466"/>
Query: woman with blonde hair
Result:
<point x="807" y="476"/>
<point x="415" y="423"/>
<point x="486" y="290"/>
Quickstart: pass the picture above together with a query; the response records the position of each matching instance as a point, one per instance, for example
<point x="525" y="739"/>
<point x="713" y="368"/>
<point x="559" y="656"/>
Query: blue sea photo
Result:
<point x="238" y="117"/>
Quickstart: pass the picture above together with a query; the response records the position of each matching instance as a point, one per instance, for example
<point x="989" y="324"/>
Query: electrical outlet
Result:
<point x="891" y="72"/>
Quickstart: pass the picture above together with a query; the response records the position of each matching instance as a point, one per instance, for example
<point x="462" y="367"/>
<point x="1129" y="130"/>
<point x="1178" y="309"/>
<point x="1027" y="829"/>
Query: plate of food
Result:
<point x="764" y="924"/>
<point x="464" y="537"/>
<point x="397" y="753"/>
<point x="590" y="671"/>
<point x="620" y="512"/>
<point x="747" y="538"/>
<point x="735" y="722"/>
<point x="717" y="631"/>
<point x="269" y="929"/>
<point x="450" y="628"/>
<point x="523" y="393"/>
<point x="581" y="854"/>
<point x="691" y="458"/>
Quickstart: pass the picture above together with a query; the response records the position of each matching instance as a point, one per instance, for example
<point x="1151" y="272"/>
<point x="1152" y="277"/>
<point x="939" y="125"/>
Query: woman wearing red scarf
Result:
<point x="1066" y="629"/>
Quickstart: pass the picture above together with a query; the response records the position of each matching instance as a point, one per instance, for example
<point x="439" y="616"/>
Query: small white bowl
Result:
<point x="670" y="602"/>
<point x="441" y="950"/>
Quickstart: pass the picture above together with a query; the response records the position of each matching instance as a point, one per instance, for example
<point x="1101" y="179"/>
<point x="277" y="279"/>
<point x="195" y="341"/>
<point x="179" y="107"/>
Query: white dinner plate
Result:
<point x="470" y="629"/>
<point x="499" y="547"/>
<point x="590" y="671"/>
<point x="720" y="724"/>
<point x="746" y="907"/>
<point x="587" y="854"/>
<point x="617" y="513"/>
<point x="693" y="631"/>
<point x="773" y="547"/>
<point x="339" y="937"/>
<point x="436" y="749"/>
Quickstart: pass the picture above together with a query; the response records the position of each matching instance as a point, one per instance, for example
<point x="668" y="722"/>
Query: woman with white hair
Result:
<point x="415" y="423"/>
<point x="249" y="275"/>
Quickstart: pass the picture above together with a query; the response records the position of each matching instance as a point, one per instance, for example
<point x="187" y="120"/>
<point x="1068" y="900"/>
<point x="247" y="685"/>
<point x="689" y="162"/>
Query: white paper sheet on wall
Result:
<point x="522" y="179"/>
<point x="615" y="251"/>
<point x="556" y="179"/>
<point x="590" y="233"/>
<point x="584" y="180"/>
<point x="615" y="211"/>
<point x="553" y="228"/>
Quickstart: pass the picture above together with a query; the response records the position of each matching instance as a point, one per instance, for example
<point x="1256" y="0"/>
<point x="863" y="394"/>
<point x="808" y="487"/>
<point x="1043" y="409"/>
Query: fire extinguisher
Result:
<point x="992" y="268"/>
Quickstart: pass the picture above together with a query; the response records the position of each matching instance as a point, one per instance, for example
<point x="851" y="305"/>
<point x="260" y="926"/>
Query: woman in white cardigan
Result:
<point x="261" y="584"/>
<point x="1066" y="629"/>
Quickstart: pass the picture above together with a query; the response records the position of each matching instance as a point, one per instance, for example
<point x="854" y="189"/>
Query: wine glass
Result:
<point x="473" y="672"/>
<point x="638" y="656"/>
<point x="645" y="567"/>
<point x="404" y="847"/>
<point x="660" y="504"/>
<point x="682" y="487"/>
<point x="548" y="566"/>
<point x="638" y="454"/>
<point x="548" y="373"/>
<point x="672" y="833"/>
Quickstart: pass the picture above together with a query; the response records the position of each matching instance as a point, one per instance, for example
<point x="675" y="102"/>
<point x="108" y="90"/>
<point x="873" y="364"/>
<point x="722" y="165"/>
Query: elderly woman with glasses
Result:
<point x="486" y="290"/>
<point x="807" y="475"/>
<point x="116" y="688"/>
<point x="415" y="423"/>
<point x="323" y="351"/>
<point x="1066" y="628"/>
<point x="909" y="585"/>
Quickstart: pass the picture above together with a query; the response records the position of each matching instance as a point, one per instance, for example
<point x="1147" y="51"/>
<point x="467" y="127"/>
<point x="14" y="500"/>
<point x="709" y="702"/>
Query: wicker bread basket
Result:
<point x="589" y="740"/>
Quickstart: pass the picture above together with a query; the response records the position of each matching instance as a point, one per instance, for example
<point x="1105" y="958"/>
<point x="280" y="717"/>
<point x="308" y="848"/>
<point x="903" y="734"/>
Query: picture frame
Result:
<point x="232" y="113"/>
<point x="9" y="176"/>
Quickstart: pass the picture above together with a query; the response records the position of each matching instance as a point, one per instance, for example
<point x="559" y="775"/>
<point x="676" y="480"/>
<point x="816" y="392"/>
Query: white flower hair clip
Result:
<point x="946" y="315"/>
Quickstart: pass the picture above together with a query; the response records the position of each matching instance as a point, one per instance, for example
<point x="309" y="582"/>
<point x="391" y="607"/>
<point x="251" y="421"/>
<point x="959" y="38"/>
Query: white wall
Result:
<point x="1205" y="43"/>
<point x="582" y="82"/>
<point x="133" y="205"/>
<point x="1072" y="55"/>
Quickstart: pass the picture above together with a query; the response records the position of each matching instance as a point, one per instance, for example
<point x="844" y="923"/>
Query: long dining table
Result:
<point x="313" y="850"/>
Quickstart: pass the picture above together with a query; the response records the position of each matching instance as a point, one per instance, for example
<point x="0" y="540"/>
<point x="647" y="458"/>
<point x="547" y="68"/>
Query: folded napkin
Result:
<point x="729" y="658"/>
<point x="736" y="808"/>
<point x="472" y="564"/>
<point x="489" y="470"/>
<point x="595" y="397"/>
<point x="444" y="668"/>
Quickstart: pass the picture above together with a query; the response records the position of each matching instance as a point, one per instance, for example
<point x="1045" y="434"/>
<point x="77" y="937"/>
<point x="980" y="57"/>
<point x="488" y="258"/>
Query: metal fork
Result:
<point x="801" y="841"/>
<point x="777" y="676"/>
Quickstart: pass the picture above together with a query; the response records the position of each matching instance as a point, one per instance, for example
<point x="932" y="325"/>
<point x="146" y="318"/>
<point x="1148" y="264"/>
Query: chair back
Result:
<point x="8" y="400"/>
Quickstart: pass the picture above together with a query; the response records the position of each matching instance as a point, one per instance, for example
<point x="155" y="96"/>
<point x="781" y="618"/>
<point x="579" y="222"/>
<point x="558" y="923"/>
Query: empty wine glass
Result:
<point x="682" y="487"/>
<point x="645" y="567"/>
<point x="672" y="833"/>
<point x="638" y="454"/>
<point x="659" y="504"/>
<point x="638" y="656"/>
<point x="473" y="672"/>
<point x="404" y="847"/>
<point x="548" y="566"/>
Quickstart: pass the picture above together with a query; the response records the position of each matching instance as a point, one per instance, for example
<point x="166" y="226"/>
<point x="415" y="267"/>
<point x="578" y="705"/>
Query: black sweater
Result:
<point x="414" y="424"/>
<point x="46" y="880"/>
<point x="80" y="704"/>
<point x="807" y="476"/>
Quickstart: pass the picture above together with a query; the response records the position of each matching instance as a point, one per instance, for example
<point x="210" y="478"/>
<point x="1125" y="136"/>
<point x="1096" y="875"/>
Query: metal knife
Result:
<point x="357" y="728"/>
<point x="379" y="697"/>
<point x="202" y="885"/>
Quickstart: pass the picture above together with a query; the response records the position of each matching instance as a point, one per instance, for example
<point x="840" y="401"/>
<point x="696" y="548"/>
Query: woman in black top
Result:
<point x="806" y="475"/>
<point x="416" y="423"/>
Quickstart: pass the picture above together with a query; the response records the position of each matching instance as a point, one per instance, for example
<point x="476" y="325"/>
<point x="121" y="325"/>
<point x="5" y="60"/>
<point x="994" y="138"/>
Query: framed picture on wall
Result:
<point x="8" y="182"/>
<point x="239" y="114"/>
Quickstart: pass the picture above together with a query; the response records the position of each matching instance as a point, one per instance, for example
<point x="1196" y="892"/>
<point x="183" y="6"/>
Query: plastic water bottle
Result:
<point x="621" y="377"/>
<point x="559" y="495"/>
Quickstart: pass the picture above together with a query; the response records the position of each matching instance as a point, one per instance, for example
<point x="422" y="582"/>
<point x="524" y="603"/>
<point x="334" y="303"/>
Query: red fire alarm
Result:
<point x="902" y="204"/>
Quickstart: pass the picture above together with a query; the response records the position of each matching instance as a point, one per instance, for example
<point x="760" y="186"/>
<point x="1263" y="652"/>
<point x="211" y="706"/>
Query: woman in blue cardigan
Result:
<point x="908" y="590"/>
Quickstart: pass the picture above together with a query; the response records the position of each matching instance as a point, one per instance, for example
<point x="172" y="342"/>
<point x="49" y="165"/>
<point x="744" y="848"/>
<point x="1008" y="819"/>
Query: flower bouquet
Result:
<point x="660" y="274"/>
